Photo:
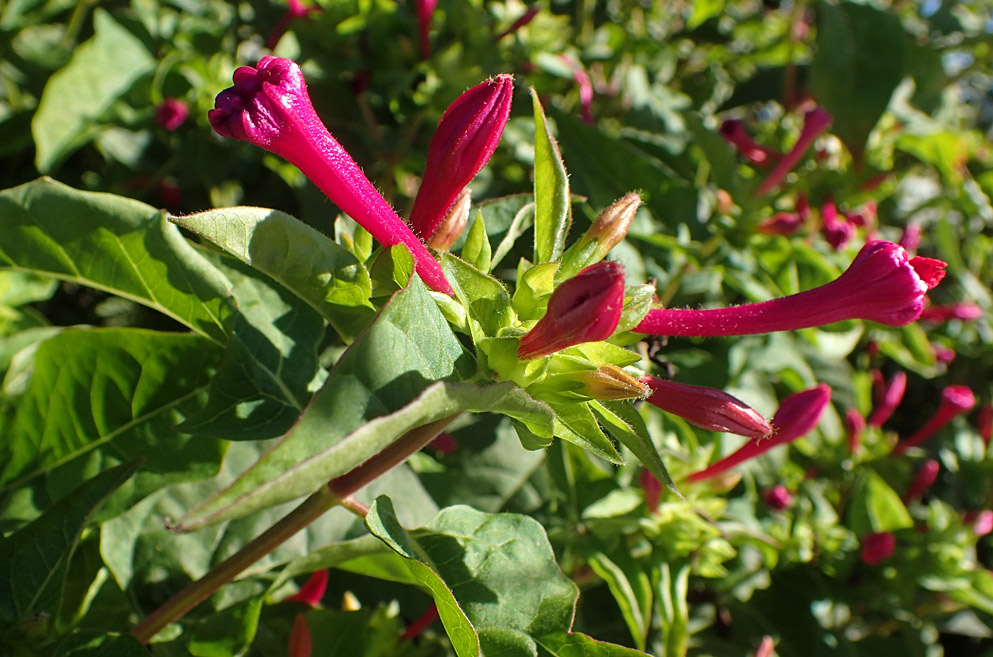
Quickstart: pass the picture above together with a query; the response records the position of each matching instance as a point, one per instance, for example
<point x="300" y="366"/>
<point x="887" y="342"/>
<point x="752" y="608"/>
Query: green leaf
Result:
<point x="101" y="71"/>
<point x="113" y="244"/>
<point x="553" y="214"/>
<point x="575" y="644"/>
<point x="631" y="588"/>
<point x="876" y="507"/>
<point x="575" y="422"/>
<point x="312" y="266"/>
<point x="861" y="57"/>
<point x="90" y="387"/>
<point x="227" y="633"/>
<point x="485" y="299"/>
<point x="625" y="424"/>
<point x="92" y="644"/>
<point x="534" y="287"/>
<point x="487" y="564"/>
<point x="34" y="560"/>
<point x="476" y="250"/>
<point x="382" y="522"/>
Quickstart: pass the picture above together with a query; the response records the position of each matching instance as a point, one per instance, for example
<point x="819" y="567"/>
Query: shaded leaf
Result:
<point x="553" y="213"/>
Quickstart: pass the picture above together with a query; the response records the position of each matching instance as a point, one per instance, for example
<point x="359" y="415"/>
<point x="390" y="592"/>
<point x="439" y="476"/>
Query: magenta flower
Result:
<point x="524" y="19"/>
<point x="466" y="137"/>
<point x="984" y="422"/>
<point x="888" y="395"/>
<point x="707" y="408"/>
<point x="313" y="589"/>
<point x="911" y="238"/>
<point x="981" y="521"/>
<point x="882" y="284"/>
<point x="301" y="643"/>
<point x="943" y="355"/>
<point x="425" y="10"/>
<point x="815" y="122"/>
<point x="782" y="223"/>
<point x="585" y="87"/>
<point x="734" y="132"/>
<point x="877" y="547"/>
<point x="778" y="498"/>
<point x="960" y="311"/>
<point x="585" y="308"/>
<point x="797" y="416"/>
<point x="955" y="400"/>
<point x="444" y="444"/>
<point x="924" y="478"/>
<point x="268" y="106"/>
<point x="837" y="230"/>
<point x="767" y="647"/>
<point x="171" y="113"/>
<point x="854" y="426"/>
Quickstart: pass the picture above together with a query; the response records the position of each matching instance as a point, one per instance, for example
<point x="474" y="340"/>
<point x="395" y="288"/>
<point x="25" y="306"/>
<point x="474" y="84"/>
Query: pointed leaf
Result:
<point x="476" y="250"/>
<point x="552" y="214"/>
<point x="575" y="644"/>
<point x="575" y="422"/>
<point x="307" y="263"/>
<point x="113" y="244"/>
<point x="625" y="424"/>
<point x="101" y="70"/>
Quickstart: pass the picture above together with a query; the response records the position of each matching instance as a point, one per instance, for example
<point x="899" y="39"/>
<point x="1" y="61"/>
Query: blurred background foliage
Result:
<point x="910" y="88"/>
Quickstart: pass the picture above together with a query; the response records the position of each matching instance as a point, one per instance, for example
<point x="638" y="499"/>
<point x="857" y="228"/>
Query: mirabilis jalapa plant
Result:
<point x="550" y="354"/>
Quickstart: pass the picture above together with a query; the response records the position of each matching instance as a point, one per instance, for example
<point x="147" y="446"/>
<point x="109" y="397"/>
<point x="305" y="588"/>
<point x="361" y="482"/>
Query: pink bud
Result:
<point x="981" y="521"/>
<point x="943" y="355"/>
<point x="652" y="488"/>
<point x="171" y="113"/>
<point x="984" y="422"/>
<point x="425" y="10"/>
<point x="301" y="642"/>
<point x="733" y="130"/>
<point x="877" y="547"/>
<point x="854" y="425"/>
<point x="312" y="590"/>
<point x="837" y="231"/>
<point x="584" y="308"/>
<point x="525" y="18"/>
<point x="585" y="87"/>
<point x="782" y="223"/>
<point x="955" y="400"/>
<point x="444" y="444"/>
<point x="888" y="396"/>
<point x="797" y="416"/>
<point x="960" y="311"/>
<point x="466" y="137"/>
<point x="815" y="122"/>
<point x="767" y="647"/>
<point x="925" y="476"/>
<point x="707" y="408"/>
<point x="882" y="284"/>
<point x="778" y="498"/>
<point x="268" y="106"/>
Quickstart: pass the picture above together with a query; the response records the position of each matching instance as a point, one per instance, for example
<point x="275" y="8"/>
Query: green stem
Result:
<point x="337" y="492"/>
<point x="174" y="608"/>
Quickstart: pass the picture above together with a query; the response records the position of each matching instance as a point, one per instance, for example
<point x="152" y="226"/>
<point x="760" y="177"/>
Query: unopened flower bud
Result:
<point x="797" y="416"/>
<point x="955" y="400"/>
<point x="733" y="130"/>
<point x="707" y="408"/>
<point x="607" y="231"/>
<point x="960" y="311"/>
<point x="782" y="223"/>
<point x="981" y="521"/>
<point x="877" y="547"/>
<point x="610" y="382"/>
<point x="924" y="478"/>
<point x="837" y="230"/>
<point x="466" y="137"/>
<point x="984" y="422"/>
<point x="888" y="396"/>
<point x="425" y="10"/>
<point x="854" y="426"/>
<point x="585" y="308"/>
<point x="452" y="225"/>
<point x="778" y="498"/>
<point x="268" y="106"/>
<point x="815" y="122"/>
<point x="312" y="591"/>
<point x="652" y="489"/>
<point x="171" y="113"/>
<point x="882" y="284"/>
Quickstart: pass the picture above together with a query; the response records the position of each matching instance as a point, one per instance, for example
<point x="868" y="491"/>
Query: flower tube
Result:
<point x="882" y="284"/>
<point x="889" y="394"/>
<point x="925" y="476"/>
<point x="955" y="400"/>
<point x="707" y="408"/>
<point x="854" y="426"/>
<point x="467" y="135"/>
<point x="425" y="10"/>
<point x="268" y="106"/>
<point x="815" y="122"/>
<point x="734" y="132"/>
<point x="797" y="416"/>
<point x="585" y="308"/>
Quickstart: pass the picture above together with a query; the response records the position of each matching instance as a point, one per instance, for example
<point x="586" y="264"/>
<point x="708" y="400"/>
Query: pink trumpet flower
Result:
<point x="955" y="400"/>
<point x="707" y="408"/>
<point x="815" y="122"/>
<point x="838" y="231"/>
<point x="268" y="106"/>
<point x="734" y="132"/>
<point x="797" y="416"/>
<point x="171" y="113"/>
<point x="889" y="394"/>
<point x="467" y="135"/>
<point x="877" y="547"/>
<point x="425" y="10"/>
<point x="961" y="311"/>
<point x="924" y="478"/>
<point x="585" y="308"/>
<point x="854" y="426"/>
<point x="882" y="284"/>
